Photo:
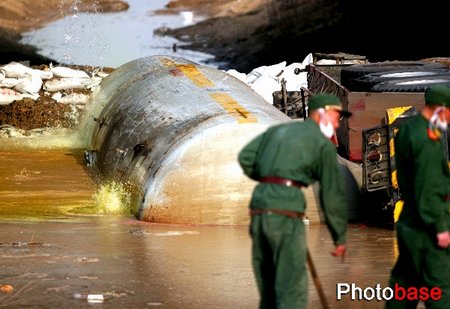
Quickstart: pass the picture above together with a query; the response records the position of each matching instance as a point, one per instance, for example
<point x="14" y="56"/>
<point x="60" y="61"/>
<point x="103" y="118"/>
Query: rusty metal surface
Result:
<point x="174" y="128"/>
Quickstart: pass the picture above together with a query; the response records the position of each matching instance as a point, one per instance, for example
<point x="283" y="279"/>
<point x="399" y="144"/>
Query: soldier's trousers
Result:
<point x="279" y="257"/>
<point x="420" y="264"/>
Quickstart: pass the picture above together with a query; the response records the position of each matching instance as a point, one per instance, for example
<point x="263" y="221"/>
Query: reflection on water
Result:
<point x="112" y="39"/>
<point x="139" y="264"/>
<point x="47" y="184"/>
<point x="49" y="253"/>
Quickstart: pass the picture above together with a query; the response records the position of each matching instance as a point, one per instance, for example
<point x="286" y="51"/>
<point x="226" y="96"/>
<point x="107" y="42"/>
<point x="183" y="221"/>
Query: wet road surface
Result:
<point x="135" y="264"/>
<point x="55" y="257"/>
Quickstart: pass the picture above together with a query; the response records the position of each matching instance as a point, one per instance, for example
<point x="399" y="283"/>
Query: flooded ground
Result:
<point x="55" y="258"/>
<point x="46" y="184"/>
<point x="140" y="265"/>
<point x="112" y="39"/>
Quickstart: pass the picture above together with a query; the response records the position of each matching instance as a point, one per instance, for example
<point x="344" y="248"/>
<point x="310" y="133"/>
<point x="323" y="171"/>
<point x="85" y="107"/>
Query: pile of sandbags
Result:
<point x="265" y="80"/>
<point x="18" y="81"/>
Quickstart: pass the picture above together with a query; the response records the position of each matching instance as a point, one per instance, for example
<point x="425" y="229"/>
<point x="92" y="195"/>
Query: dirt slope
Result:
<point x="249" y="33"/>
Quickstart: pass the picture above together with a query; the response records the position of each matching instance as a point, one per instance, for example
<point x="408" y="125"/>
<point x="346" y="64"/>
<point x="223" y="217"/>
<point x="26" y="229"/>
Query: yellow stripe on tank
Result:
<point x="190" y="71"/>
<point x="200" y="80"/>
<point x="233" y="108"/>
<point x="197" y="77"/>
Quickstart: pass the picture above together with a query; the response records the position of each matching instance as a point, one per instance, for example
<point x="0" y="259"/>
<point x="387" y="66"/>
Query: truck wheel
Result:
<point x="352" y="72"/>
<point x="366" y="82"/>
<point x="411" y="84"/>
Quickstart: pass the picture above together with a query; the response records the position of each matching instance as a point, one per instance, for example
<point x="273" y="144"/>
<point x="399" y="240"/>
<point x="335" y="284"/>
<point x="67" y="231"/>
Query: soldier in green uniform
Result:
<point x="423" y="226"/>
<point x="283" y="159"/>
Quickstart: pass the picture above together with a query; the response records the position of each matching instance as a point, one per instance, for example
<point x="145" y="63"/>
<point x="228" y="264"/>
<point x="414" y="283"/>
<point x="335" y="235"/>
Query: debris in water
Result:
<point x="6" y="288"/>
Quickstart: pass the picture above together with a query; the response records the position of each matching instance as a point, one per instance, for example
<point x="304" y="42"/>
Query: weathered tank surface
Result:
<point x="173" y="129"/>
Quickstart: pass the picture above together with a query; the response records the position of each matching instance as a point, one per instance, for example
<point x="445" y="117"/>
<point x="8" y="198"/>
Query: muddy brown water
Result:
<point x="51" y="254"/>
<point x="45" y="184"/>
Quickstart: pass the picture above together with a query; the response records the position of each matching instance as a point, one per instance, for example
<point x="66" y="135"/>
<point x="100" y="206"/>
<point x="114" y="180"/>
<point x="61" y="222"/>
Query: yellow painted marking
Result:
<point x="168" y="62"/>
<point x="226" y="101"/>
<point x="395" y="112"/>
<point x="394" y="179"/>
<point x="398" y="209"/>
<point x="391" y="148"/>
<point x="233" y="108"/>
<point x="393" y="173"/>
<point x="197" y="77"/>
<point x="191" y="72"/>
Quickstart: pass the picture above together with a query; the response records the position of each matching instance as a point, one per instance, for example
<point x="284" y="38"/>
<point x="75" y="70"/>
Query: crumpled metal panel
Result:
<point x="174" y="128"/>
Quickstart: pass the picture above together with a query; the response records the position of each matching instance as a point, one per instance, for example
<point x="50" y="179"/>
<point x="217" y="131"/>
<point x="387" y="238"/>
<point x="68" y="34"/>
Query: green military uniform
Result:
<point x="424" y="179"/>
<point x="298" y="151"/>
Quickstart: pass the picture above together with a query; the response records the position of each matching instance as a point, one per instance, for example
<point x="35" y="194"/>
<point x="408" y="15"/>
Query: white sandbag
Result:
<point x="2" y="75"/>
<point x="265" y="72"/>
<point x="100" y="74"/>
<point x="16" y="69"/>
<point x="32" y="83"/>
<point x="294" y="81"/>
<point x="71" y="98"/>
<point x="7" y="96"/>
<point x="59" y="84"/>
<point x="265" y="87"/>
<point x="9" y="82"/>
<point x="241" y="76"/>
<point x="265" y="80"/>
<point x="45" y="73"/>
<point x="66" y="72"/>
<point x="92" y="82"/>
<point x="33" y="96"/>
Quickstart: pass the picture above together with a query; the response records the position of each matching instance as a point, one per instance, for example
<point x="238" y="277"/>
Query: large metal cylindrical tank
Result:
<point x="174" y="128"/>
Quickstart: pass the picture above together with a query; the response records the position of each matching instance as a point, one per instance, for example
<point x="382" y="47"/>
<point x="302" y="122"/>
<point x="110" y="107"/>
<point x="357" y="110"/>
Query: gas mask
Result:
<point x="436" y="126"/>
<point x="325" y="124"/>
<point x="436" y="121"/>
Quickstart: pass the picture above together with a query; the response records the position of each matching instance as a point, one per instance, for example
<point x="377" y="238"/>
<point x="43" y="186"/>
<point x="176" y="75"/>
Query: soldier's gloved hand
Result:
<point x="339" y="250"/>
<point x="443" y="239"/>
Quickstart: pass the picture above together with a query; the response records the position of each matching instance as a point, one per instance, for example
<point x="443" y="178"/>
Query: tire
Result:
<point x="350" y="73"/>
<point x="366" y="82"/>
<point x="411" y="84"/>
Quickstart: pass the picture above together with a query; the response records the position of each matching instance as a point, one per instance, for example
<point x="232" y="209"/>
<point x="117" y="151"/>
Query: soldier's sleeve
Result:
<point x="332" y="195"/>
<point x="431" y="186"/>
<point x="247" y="157"/>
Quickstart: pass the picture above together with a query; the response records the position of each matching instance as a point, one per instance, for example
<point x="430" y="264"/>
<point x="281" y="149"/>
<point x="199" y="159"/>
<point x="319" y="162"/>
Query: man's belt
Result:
<point x="281" y="212"/>
<point x="282" y="181"/>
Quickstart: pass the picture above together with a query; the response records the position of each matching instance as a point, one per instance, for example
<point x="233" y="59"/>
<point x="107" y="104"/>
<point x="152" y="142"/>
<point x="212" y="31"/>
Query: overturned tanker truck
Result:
<point x="381" y="95"/>
<point x="173" y="129"/>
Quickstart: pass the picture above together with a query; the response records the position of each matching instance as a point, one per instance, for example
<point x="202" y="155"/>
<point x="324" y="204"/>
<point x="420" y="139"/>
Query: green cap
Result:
<point x="438" y="95"/>
<point x="327" y="101"/>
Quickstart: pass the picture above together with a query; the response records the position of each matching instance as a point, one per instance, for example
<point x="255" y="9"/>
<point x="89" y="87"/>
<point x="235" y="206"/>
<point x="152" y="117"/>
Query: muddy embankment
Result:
<point x="270" y="31"/>
<point x="245" y="34"/>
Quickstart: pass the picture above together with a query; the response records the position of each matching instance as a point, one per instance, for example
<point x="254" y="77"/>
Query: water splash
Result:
<point x="113" y="198"/>
<point x="74" y="37"/>
<point x="86" y="35"/>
